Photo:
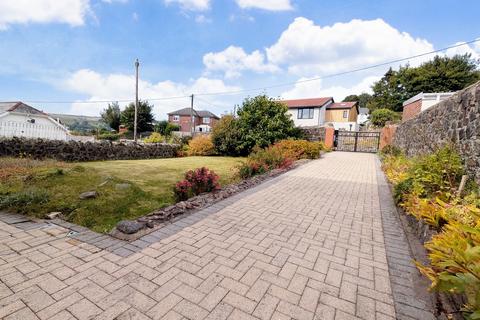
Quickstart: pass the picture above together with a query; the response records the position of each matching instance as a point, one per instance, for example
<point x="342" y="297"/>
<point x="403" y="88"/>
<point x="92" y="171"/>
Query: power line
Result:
<point x="234" y="92"/>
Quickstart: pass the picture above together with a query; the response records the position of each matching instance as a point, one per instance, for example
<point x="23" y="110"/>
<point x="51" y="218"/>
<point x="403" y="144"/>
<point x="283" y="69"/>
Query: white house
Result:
<point x="18" y="119"/>
<point x="323" y="111"/>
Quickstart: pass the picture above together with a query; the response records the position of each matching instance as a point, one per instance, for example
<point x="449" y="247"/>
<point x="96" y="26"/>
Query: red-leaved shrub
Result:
<point x="196" y="181"/>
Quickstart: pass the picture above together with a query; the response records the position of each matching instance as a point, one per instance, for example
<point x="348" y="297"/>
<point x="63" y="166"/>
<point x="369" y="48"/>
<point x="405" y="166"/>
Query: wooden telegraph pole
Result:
<point x="192" y="125"/>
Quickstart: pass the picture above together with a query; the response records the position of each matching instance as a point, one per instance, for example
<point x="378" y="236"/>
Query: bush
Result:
<point x="391" y="150"/>
<point x="155" y="137"/>
<point x="196" y="182"/>
<point x="109" y="136"/>
<point x="426" y="187"/>
<point x="201" y="145"/>
<point x="299" y="149"/>
<point x="263" y="160"/>
<point x="380" y="117"/>
<point x="226" y="136"/>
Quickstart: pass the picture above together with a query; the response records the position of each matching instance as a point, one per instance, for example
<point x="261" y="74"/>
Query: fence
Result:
<point x="32" y="130"/>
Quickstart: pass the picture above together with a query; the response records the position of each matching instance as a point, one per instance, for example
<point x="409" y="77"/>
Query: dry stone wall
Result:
<point x="84" y="151"/>
<point x="455" y="120"/>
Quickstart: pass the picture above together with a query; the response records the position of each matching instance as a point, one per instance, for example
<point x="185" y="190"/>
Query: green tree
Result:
<point x="144" y="116"/>
<point x="438" y="75"/>
<point x="111" y="115"/>
<point x="379" y="117"/>
<point x="171" y="127"/>
<point x="263" y="121"/>
<point x="161" y="126"/>
<point x="226" y="136"/>
<point x="362" y="99"/>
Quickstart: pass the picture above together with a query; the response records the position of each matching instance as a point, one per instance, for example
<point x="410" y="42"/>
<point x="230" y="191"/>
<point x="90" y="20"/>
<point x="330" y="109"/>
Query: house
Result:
<point x="422" y="102"/>
<point x="203" y="121"/>
<point x="363" y="116"/>
<point x="18" y="119"/>
<point x="323" y="111"/>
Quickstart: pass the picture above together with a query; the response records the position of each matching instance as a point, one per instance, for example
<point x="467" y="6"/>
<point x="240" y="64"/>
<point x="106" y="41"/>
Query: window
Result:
<point x="176" y="117"/>
<point x="305" y="113"/>
<point x="206" y="120"/>
<point x="345" y="114"/>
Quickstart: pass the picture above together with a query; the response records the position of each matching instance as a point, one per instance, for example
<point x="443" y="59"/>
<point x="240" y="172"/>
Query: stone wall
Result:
<point x="455" y="120"/>
<point x="83" y="151"/>
<point x="314" y="133"/>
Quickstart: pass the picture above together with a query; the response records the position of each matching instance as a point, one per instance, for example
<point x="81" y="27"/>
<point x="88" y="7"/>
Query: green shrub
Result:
<point x="22" y="200"/>
<point x="226" y="136"/>
<point x="380" y="117"/>
<point x="402" y="189"/>
<point x="391" y="150"/>
<point x="109" y="136"/>
<point x="155" y="137"/>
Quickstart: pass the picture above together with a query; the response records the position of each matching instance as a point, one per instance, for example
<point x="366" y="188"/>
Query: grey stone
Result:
<point x="88" y="195"/>
<point x="122" y="186"/>
<point x="53" y="215"/>
<point x="130" y="227"/>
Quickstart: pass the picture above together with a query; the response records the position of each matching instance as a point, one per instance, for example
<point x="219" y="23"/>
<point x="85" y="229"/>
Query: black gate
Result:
<point x="357" y="141"/>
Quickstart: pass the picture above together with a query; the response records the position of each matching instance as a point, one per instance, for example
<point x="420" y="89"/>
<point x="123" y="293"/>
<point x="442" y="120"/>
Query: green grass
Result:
<point x="39" y="187"/>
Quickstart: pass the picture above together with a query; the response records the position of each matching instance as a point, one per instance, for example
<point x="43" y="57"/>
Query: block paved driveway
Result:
<point x="319" y="242"/>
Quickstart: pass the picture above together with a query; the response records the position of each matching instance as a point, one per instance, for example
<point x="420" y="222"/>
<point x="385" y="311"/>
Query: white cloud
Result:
<point x="71" y="12"/>
<point x="122" y="87"/>
<point x="315" y="89"/>
<point x="272" y="5"/>
<point x="191" y="5"/>
<point x="474" y="51"/>
<point x="306" y="48"/>
<point x="202" y="19"/>
<point x="233" y="60"/>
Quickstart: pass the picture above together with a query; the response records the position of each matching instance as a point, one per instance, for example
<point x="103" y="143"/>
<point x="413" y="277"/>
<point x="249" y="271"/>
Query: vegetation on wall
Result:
<point x="427" y="187"/>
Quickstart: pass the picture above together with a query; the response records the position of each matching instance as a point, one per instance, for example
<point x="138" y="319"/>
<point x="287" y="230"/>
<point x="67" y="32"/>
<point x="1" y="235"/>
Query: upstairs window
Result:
<point x="345" y="114"/>
<point x="176" y="117"/>
<point x="305" y="113"/>
<point x="206" y="120"/>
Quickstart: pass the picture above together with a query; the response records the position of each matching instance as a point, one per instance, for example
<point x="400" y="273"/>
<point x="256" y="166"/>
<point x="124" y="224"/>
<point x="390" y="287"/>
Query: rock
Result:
<point x="130" y="227"/>
<point x="150" y="224"/>
<point x="53" y="215"/>
<point x="122" y="186"/>
<point x="88" y="195"/>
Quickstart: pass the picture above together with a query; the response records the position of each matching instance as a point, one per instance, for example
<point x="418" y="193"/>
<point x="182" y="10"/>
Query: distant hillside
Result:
<point x="82" y="124"/>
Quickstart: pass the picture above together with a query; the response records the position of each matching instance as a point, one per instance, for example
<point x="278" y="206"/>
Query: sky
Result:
<point x="72" y="56"/>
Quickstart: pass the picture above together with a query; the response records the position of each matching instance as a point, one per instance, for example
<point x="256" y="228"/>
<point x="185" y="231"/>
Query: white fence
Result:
<point x="32" y="130"/>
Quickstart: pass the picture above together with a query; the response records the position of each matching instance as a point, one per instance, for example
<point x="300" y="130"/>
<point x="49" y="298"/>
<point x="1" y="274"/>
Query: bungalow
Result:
<point x="18" y="119"/>
<point x="323" y="111"/>
<point x="422" y="102"/>
<point x="203" y="120"/>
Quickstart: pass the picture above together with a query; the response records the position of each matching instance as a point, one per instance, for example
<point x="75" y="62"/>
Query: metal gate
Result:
<point x="357" y="141"/>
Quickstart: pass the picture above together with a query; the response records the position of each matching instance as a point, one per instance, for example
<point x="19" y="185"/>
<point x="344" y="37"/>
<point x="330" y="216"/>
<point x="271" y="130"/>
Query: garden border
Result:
<point x="415" y="234"/>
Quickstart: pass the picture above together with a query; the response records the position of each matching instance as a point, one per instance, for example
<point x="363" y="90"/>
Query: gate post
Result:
<point x="356" y="141"/>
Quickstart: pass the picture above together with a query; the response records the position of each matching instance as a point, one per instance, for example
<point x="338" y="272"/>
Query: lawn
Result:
<point x="39" y="187"/>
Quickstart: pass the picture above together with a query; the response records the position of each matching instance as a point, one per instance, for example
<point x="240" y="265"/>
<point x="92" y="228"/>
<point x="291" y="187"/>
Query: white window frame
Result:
<point x="206" y="119"/>
<point x="301" y="112"/>
<point x="176" y="117"/>
<point x="345" y="114"/>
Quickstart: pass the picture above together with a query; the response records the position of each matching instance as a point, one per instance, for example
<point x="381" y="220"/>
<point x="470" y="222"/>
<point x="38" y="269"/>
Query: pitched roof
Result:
<point x="20" y="107"/>
<point x="342" y="105"/>
<point x="313" y="102"/>
<point x="188" y="112"/>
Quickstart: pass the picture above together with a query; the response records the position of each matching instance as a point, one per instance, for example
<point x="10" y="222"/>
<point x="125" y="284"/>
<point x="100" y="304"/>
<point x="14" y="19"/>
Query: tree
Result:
<point x="111" y="115"/>
<point x="379" y="117"/>
<point x="226" y="136"/>
<point x="144" y="116"/>
<point x="441" y="74"/>
<point x="161" y="126"/>
<point x="362" y="99"/>
<point x="263" y="121"/>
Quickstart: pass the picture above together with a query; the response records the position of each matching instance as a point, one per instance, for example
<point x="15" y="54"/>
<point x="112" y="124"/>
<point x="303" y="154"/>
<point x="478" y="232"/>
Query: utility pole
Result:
<point x="137" y="64"/>
<point x="192" y="125"/>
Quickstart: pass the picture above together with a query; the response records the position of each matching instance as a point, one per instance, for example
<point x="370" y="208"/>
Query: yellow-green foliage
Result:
<point x="201" y="146"/>
<point x="426" y="187"/>
<point x="299" y="149"/>
<point x="155" y="137"/>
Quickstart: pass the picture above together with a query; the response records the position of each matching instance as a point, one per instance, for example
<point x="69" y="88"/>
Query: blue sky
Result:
<point x="83" y="50"/>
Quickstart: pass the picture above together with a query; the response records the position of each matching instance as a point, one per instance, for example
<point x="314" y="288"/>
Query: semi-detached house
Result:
<point x="203" y="121"/>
